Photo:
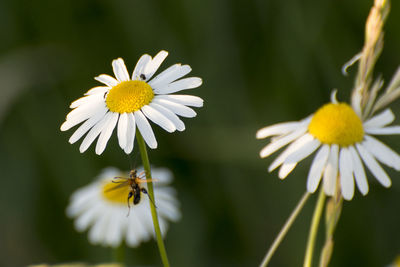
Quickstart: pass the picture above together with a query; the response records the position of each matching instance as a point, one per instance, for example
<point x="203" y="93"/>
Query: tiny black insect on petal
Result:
<point x="142" y="76"/>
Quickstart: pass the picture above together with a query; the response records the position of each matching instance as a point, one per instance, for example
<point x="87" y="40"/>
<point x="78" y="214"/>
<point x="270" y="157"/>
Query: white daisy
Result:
<point x="131" y="101"/>
<point x="344" y="143"/>
<point x="105" y="211"/>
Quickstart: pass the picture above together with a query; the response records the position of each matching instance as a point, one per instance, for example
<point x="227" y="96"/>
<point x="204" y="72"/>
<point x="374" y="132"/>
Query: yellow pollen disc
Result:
<point x="129" y="96"/>
<point x="336" y="124"/>
<point x="116" y="195"/>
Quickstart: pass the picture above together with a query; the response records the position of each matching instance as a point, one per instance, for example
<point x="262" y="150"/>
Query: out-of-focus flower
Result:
<point x="102" y="207"/>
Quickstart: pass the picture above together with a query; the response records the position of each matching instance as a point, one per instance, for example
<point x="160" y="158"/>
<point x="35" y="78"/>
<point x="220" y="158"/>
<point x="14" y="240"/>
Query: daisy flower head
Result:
<point x="127" y="102"/>
<point x="344" y="143"/>
<point x="102" y="208"/>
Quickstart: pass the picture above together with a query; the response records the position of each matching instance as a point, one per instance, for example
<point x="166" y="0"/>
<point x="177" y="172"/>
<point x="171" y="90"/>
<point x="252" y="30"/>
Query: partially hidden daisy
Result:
<point x="105" y="211"/>
<point x="344" y="142"/>
<point x="129" y="101"/>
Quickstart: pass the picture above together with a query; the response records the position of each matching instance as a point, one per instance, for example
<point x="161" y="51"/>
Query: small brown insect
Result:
<point x="135" y="189"/>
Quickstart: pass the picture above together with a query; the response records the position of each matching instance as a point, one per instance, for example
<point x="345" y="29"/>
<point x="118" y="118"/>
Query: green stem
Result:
<point x="314" y="228"/>
<point x="285" y="229"/>
<point x="118" y="253"/>
<point x="146" y="165"/>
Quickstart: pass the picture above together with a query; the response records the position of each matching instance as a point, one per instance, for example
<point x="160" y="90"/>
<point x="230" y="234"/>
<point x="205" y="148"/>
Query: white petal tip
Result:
<point x="271" y="168"/>
<point x="163" y="52"/>
<point x="196" y="82"/>
<point x="310" y="189"/>
<point x="348" y="198"/>
<point x="83" y="149"/>
<point x="153" y="146"/>
<point x="64" y="127"/>
<point x="387" y="184"/>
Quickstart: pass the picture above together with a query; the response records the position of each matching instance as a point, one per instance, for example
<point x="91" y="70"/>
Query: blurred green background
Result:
<point x="262" y="62"/>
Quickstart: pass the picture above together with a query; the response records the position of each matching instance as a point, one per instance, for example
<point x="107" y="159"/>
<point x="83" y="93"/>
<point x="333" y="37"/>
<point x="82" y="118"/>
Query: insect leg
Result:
<point x="129" y="206"/>
<point x="144" y="191"/>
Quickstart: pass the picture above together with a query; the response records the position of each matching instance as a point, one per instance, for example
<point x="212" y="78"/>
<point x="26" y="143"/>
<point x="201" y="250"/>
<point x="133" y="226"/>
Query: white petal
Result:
<point x="147" y="220"/>
<point x="135" y="232"/>
<point x="178" y="109"/>
<point x="97" y="232"/>
<point x="82" y="114"/>
<point x="384" y="118"/>
<point x="85" y="111"/>
<point x="122" y="130"/>
<point x="145" y="129"/>
<point x="280" y="128"/>
<point x="115" y="229"/>
<point x="106" y="133"/>
<point x="187" y="100"/>
<point x="169" y="211"/>
<point x="292" y="160"/>
<point x="140" y="65"/>
<point x="382" y="152"/>
<point x="317" y="167"/>
<point x="88" y="217"/>
<point x="169" y="75"/>
<point x="283" y="141"/>
<point x="331" y="171"/>
<point x="303" y="152"/>
<point x="374" y="166"/>
<point x="120" y="71"/>
<point x="158" y="118"/>
<point x="183" y="84"/>
<point x="285" y="169"/>
<point x="154" y="64"/>
<point x="131" y="130"/>
<point x="80" y="198"/>
<point x="359" y="173"/>
<point x="143" y="217"/>
<point x="167" y="205"/>
<point x="87" y="100"/>
<point x="87" y="125"/>
<point x="384" y="131"/>
<point x="107" y="80"/>
<point x="101" y="90"/>
<point x="296" y="145"/>
<point x="179" y="125"/>
<point x="163" y="175"/>
<point x="94" y="132"/>
<point x="346" y="173"/>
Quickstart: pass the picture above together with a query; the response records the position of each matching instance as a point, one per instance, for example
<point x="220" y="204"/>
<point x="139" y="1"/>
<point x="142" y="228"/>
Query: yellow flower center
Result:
<point x="113" y="194"/>
<point x="129" y="96"/>
<point x="336" y="124"/>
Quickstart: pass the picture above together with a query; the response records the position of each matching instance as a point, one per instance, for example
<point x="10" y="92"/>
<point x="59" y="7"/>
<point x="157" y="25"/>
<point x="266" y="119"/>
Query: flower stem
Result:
<point x="314" y="228"/>
<point x="118" y="253"/>
<point x="285" y="229"/>
<point x="333" y="210"/>
<point x="146" y="165"/>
